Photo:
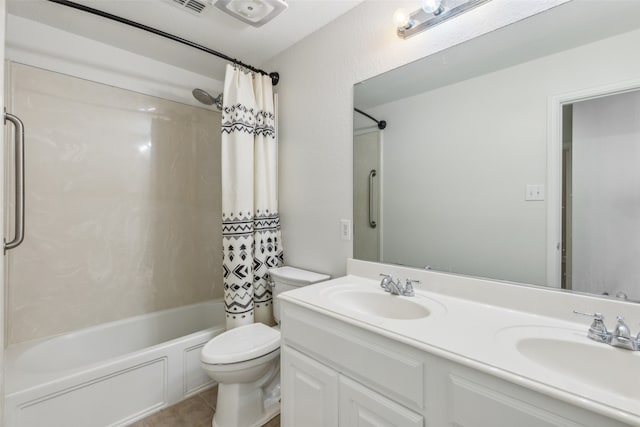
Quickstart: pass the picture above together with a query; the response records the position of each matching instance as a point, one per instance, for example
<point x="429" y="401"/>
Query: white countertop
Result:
<point x="486" y="336"/>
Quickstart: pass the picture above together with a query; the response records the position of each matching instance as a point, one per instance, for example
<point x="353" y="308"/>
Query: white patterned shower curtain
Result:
<point x="250" y="220"/>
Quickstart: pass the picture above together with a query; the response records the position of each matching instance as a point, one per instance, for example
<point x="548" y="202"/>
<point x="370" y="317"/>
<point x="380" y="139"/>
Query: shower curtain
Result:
<point x="250" y="220"/>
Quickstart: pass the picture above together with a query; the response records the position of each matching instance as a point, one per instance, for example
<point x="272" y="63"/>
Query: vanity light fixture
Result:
<point x="432" y="6"/>
<point x="402" y="20"/>
<point x="430" y="14"/>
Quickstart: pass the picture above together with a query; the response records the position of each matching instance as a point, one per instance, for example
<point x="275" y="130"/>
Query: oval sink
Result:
<point x="569" y="355"/>
<point x="380" y="304"/>
<point x="596" y="364"/>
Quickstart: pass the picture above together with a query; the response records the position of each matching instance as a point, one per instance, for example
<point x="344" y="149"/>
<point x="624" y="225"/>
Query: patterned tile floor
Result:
<point x="196" y="411"/>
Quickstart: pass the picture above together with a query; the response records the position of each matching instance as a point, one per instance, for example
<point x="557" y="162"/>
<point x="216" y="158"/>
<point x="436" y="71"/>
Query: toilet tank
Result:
<point x="288" y="278"/>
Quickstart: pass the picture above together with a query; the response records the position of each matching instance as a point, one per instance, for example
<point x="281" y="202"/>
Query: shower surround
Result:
<point x="122" y="205"/>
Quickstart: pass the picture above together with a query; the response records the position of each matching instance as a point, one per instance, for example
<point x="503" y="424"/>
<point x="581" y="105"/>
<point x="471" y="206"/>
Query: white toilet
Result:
<point x="245" y="361"/>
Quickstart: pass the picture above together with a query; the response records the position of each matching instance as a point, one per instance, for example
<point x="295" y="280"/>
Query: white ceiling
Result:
<point x="213" y="29"/>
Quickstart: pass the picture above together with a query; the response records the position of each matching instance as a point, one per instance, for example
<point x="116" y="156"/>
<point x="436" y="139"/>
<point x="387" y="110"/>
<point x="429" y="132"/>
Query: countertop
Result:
<point x="491" y="338"/>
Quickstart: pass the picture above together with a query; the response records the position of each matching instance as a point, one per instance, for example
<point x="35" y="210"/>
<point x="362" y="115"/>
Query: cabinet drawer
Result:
<point x="474" y="399"/>
<point x="478" y="405"/>
<point x="393" y="369"/>
<point x="360" y="406"/>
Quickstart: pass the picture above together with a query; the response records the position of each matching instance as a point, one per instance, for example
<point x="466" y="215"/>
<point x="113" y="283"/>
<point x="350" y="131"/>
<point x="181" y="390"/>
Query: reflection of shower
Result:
<point x="207" y="99"/>
<point x="381" y="124"/>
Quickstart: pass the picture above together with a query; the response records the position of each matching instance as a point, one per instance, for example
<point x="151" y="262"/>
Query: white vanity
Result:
<point x="462" y="352"/>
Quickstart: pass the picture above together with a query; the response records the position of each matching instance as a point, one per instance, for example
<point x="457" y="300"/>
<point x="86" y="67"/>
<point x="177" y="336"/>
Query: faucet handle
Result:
<point x="621" y="330"/>
<point x="621" y="336"/>
<point x="596" y="316"/>
<point x="597" y="330"/>
<point x="408" y="288"/>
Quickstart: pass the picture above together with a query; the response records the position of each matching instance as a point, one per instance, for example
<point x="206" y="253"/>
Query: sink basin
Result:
<point x="380" y="304"/>
<point x="571" y="355"/>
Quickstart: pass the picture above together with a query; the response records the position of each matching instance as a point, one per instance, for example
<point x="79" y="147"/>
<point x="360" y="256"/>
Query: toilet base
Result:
<point x="268" y="414"/>
<point x="248" y="404"/>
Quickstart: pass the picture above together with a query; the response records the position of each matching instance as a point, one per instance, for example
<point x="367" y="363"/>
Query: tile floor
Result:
<point x="196" y="411"/>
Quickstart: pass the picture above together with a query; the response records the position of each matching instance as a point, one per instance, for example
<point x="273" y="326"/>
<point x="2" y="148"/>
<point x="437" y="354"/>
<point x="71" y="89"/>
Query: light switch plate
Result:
<point x="534" y="192"/>
<point x="345" y="229"/>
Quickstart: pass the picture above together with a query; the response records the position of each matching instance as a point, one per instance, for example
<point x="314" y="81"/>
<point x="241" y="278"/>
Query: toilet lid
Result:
<point x="240" y="344"/>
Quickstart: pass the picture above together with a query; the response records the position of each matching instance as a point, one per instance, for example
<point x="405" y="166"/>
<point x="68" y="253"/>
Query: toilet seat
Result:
<point x="241" y="344"/>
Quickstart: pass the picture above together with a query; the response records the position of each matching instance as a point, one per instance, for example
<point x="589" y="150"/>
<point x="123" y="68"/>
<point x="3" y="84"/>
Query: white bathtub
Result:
<point x="111" y="374"/>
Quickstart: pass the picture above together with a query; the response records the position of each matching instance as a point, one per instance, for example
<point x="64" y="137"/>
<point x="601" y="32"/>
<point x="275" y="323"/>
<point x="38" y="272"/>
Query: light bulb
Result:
<point x="432" y="6"/>
<point x="402" y="19"/>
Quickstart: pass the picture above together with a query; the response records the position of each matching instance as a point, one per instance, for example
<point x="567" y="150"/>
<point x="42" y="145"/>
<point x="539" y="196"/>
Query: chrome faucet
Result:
<point x="386" y="279"/>
<point x="597" y="330"/>
<point x="389" y="285"/>
<point x="395" y="288"/>
<point x="408" y="288"/>
<point x="620" y="337"/>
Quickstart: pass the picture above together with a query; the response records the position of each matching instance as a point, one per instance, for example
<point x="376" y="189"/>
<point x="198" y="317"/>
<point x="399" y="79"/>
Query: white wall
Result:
<point x="316" y="124"/>
<point x="32" y="43"/>
<point x="458" y="159"/>
<point x="606" y="202"/>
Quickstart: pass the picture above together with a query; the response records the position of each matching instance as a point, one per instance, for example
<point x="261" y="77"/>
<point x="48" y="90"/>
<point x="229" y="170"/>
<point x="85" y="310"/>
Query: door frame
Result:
<point x="554" y="167"/>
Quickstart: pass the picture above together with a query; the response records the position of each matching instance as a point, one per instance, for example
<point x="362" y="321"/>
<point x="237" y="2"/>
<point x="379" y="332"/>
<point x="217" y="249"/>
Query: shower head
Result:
<point x="202" y="96"/>
<point x="205" y="97"/>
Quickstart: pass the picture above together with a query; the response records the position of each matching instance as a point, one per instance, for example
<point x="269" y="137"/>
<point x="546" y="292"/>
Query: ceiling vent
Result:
<point x="252" y="12"/>
<point x="195" y="7"/>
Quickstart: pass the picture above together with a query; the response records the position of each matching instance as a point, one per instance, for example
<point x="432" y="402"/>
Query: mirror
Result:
<point x="472" y="174"/>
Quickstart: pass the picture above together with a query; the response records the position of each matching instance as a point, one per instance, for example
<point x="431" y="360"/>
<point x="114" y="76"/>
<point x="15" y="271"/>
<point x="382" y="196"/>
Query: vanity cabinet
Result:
<point x="335" y="373"/>
<point x="314" y="395"/>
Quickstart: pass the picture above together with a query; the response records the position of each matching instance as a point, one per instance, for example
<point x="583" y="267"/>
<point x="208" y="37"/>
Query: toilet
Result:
<point x="245" y="361"/>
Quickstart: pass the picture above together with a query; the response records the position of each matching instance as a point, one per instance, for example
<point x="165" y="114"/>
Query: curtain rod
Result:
<point x="381" y="124"/>
<point x="275" y="77"/>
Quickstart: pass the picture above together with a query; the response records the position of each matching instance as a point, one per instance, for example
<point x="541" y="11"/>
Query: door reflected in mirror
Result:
<point x="601" y="195"/>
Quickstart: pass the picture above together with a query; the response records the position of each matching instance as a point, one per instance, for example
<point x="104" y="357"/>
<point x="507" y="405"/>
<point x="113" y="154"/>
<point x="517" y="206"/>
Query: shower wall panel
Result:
<point x="123" y="205"/>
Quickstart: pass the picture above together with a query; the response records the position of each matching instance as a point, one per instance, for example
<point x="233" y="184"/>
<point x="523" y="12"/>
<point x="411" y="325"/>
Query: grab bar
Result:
<point x="372" y="223"/>
<point x="19" y="182"/>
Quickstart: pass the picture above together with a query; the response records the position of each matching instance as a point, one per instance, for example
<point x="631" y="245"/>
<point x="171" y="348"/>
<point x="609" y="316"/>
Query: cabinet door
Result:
<point x="309" y="391"/>
<point x="362" y="407"/>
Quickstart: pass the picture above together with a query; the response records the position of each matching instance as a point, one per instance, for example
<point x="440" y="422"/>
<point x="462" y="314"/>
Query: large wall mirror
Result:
<point x="514" y="156"/>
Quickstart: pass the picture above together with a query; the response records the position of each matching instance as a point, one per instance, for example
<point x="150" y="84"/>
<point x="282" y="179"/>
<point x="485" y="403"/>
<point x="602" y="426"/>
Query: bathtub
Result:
<point x="111" y="374"/>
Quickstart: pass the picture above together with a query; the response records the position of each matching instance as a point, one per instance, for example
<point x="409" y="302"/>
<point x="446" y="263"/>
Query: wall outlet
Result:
<point x="345" y="229"/>
<point x="534" y="192"/>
